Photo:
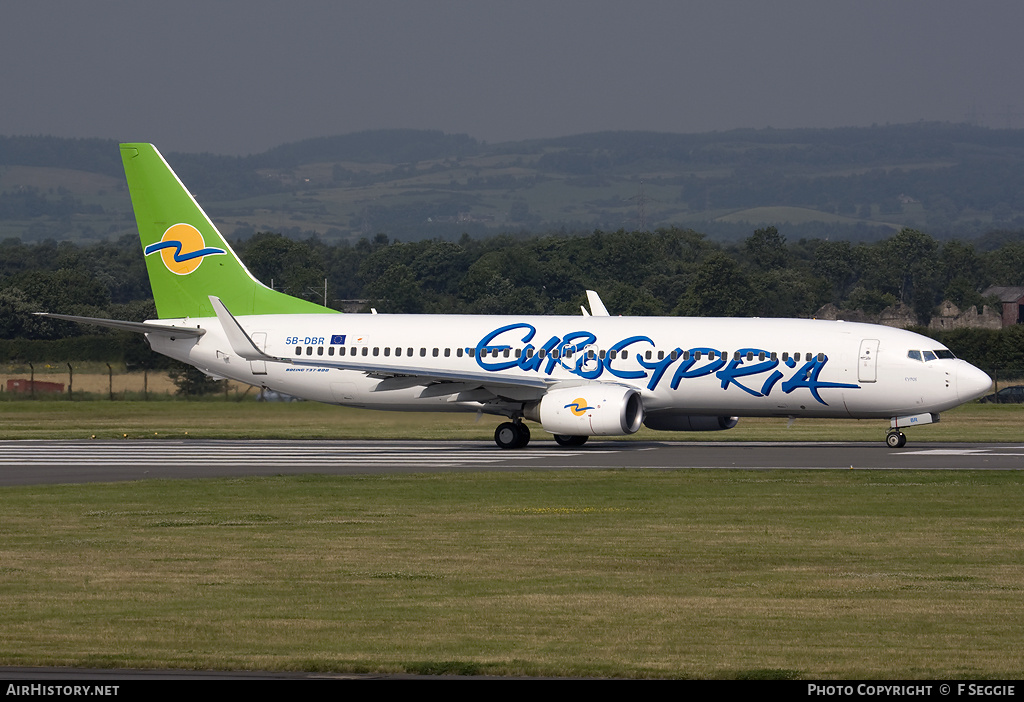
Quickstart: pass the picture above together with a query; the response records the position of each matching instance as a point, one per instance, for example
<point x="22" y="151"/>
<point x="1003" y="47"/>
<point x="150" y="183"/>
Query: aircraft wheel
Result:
<point x="510" y="436"/>
<point x="896" y="439"/>
<point x="566" y="440"/>
<point x="524" y="434"/>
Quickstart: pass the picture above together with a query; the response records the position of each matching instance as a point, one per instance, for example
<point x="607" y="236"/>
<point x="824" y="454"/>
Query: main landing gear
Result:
<point x="896" y="439"/>
<point x="512" y="435"/>
<point x="515" y="434"/>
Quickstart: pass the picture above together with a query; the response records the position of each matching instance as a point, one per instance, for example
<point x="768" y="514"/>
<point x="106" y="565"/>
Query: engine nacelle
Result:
<point x="590" y="410"/>
<point x="669" y="421"/>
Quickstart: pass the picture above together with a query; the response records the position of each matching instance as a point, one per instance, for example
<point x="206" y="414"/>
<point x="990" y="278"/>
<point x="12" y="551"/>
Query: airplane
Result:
<point x="577" y="377"/>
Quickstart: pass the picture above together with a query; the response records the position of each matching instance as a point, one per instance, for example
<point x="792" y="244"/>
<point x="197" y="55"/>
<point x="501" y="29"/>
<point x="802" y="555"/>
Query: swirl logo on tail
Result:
<point x="578" y="407"/>
<point x="182" y="249"/>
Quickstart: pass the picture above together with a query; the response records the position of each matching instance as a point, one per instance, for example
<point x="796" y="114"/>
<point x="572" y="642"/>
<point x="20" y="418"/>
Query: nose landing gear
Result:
<point x="896" y="439"/>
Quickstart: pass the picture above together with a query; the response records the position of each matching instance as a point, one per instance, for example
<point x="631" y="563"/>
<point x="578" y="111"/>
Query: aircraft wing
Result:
<point x="395" y="375"/>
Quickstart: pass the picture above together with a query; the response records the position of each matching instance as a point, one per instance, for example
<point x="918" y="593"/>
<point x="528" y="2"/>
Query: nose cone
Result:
<point x="971" y="383"/>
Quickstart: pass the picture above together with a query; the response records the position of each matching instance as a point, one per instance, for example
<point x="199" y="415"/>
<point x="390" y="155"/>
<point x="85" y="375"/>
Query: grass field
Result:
<point x="725" y="574"/>
<point x="216" y="418"/>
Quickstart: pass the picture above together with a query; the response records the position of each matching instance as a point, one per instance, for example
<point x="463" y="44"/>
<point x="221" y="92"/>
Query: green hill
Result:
<point x="852" y="183"/>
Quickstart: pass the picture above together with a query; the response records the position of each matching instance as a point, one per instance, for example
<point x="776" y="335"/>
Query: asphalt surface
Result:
<point x="52" y="462"/>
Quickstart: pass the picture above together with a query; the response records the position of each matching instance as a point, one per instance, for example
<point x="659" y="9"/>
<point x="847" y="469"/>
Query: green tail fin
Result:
<point x="187" y="258"/>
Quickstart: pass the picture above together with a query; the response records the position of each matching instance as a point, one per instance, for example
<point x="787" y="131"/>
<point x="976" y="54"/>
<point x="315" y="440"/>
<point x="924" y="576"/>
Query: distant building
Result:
<point x="950" y="317"/>
<point x="1012" y="299"/>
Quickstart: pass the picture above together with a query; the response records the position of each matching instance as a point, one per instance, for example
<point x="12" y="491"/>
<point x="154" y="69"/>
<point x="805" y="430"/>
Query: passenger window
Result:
<point x="821" y="358"/>
<point x="785" y="355"/>
<point x="330" y="351"/>
<point x="447" y="353"/>
<point x="686" y="355"/>
<point x="661" y="355"/>
<point x="435" y="353"/>
<point x="774" y="356"/>
<point x="458" y="352"/>
<point x="408" y="352"/>
<point x="341" y="350"/>
<point x="423" y="352"/>
<point x="309" y="350"/>
<point x="648" y="355"/>
<point x="796" y="356"/>
<point x="760" y="356"/>
<point x="319" y="350"/>
<point x="398" y="351"/>
<point x="298" y="350"/>
<point x="376" y="351"/>
<point x="387" y="350"/>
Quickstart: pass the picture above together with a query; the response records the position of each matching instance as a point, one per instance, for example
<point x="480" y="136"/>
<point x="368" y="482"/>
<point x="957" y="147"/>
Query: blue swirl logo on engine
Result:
<point x="578" y="407"/>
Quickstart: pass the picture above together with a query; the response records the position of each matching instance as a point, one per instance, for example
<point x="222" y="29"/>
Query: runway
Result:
<point x="52" y="462"/>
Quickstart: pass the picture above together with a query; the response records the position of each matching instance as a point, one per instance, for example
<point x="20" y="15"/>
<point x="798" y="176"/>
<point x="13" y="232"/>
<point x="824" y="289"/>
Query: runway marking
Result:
<point x="962" y="452"/>
<point x="87" y="453"/>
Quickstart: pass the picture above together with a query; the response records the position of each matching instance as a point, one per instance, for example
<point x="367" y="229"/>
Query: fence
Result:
<point x="50" y="382"/>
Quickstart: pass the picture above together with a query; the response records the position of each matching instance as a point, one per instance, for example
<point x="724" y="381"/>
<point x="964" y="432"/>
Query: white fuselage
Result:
<point x="699" y="366"/>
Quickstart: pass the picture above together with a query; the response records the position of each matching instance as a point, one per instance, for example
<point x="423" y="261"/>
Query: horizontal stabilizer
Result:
<point x="143" y="327"/>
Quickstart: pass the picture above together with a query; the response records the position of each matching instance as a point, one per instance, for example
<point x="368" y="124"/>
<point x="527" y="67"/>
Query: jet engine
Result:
<point x="589" y="410"/>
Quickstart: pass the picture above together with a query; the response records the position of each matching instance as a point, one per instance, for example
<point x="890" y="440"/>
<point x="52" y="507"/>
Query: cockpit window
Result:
<point x="930" y="355"/>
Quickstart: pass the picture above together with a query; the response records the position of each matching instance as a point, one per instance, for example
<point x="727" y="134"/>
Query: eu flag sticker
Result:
<point x="338" y="339"/>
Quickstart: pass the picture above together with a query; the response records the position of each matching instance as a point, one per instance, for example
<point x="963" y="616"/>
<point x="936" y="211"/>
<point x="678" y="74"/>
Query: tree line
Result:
<point x="669" y="271"/>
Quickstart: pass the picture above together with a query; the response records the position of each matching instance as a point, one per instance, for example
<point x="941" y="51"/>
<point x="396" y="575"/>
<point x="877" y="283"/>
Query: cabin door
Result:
<point x="867" y="365"/>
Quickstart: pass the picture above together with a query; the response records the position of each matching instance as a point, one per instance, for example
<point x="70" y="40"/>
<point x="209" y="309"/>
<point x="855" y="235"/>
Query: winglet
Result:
<point x="597" y="307"/>
<point x="240" y="342"/>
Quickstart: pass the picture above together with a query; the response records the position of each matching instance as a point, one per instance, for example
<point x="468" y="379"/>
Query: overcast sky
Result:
<point x="237" y="77"/>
